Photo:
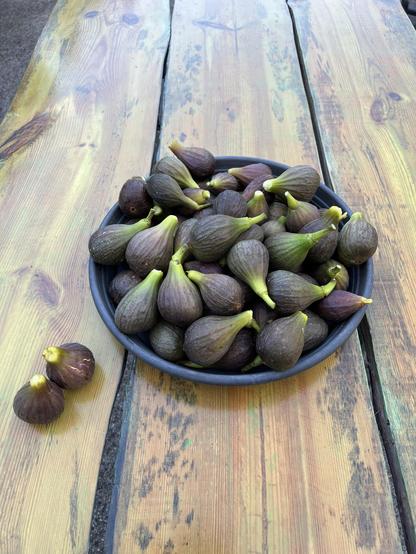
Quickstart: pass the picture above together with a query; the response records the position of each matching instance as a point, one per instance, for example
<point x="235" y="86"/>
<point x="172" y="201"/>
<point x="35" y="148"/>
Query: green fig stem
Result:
<point x="302" y="317"/>
<point x="254" y="325"/>
<point x="334" y="270"/>
<point x="192" y="204"/>
<point x="255" y="363"/>
<point x="356" y="215"/>
<point x="175" y="146"/>
<point x="206" y="194"/>
<point x="53" y="354"/>
<point x="329" y="287"/>
<point x="157" y="210"/>
<point x="170" y="222"/>
<point x="152" y="278"/>
<point x="195" y="276"/>
<point x="315" y="237"/>
<point x="180" y="253"/>
<point x="269" y="185"/>
<point x="257" y="219"/>
<point x="202" y="206"/>
<point x="37" y="382"/>
<point x="260" y="288"/>
<point x="247" y="318"/>
<point x="291" y="201"/>
<point x="333" y="215"/>
<point x="266" y="298"/>
<point x="366" y="300"/>
<point x="233" y="171"/>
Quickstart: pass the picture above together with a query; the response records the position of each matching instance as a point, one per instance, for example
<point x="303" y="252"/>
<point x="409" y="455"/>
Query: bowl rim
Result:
<point x="306" y="361"/>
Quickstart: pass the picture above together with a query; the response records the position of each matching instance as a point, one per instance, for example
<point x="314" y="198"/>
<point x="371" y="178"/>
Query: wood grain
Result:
<point x="294" y="466"/>
<point x="83" y="121"/>
<point x="361" y="71"/>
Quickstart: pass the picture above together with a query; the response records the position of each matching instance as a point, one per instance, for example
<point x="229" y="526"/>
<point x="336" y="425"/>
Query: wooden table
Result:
<point x="321" y="463"/>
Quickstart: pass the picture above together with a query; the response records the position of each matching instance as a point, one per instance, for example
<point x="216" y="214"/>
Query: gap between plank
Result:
<point x="104" y="512"/>
<point x="399" y="493"/>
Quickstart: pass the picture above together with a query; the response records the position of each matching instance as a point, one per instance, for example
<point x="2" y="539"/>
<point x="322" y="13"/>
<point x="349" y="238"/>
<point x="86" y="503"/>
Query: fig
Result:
<point x="340" y="305"/>
<point x="167" y="341"/>
<point x="332" y="270"/>
<point x="137" y="311"/>
<point x="293" y="293"/>
<point x="263" y="314"/>
<point x="357" y="241"/>
<point x="183" y="236"/>
<point x="324" y="250"/>
<point x="172" y="166"/>
<point x="299" y="213"/>
<point x="199" y="161"/>
<point x="208" y="339"/>
<point x="316" y="331"/>
<point x="249" y="261"/>
<point x="133" y="199"/>
<point x="222" y="294"/>
<point x="198" y="195"/>
<point x="257" y="205"/>
<point x="247" y="173"/>
<point x="223" y="181"/>
<point x="166" y="192"/>
<point x="204" y="213"/>
<point x="108" y="244"/>
<point x="289" y="250"/>
<point x="70" y="365"/>
<point x="214" y="235"/>
<point x="39" y="401"/>
<point x="254" y="233"/>
<point x="203" y="267"/>
<point x="274" y="226"/>
<point x="277" y="209"/>
<point x="311" y="279"/>
<point x="240" y="353"/>
<point x="152" y="248"/>
<point x="179" y="301"/>
<point x="280" y="343"/>
<point x="302" y="181"/>
<point x="121" y="284"/>
<point x="256" y="185"/>
<point x="230" y="203"/>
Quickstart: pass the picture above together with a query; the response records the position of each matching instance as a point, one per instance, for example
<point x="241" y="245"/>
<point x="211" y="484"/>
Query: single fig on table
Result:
<point x="198" y="195"/>
<point x="293" y="293"/>
<point x="230" y="203"/>
<point x="183" y="236"/>
<point x="208" y="339"/>
<point x="222" y="294"/>
<point x="108" y="244"/>
<point x="274" y="226"/>
<point x="257" y="205"/>
<point x="316" y="331"/>
<point x="133" y="199"/>
<point x="199" y="161"/>
<point x="255" y="185"/>
<point x="325" y="249"/>
<point x="70" y="365"/>
<point x="223" y="181"/>
<point x="121" y="284"/>
<point x="172" y="166"/>
<point x="263" y="314"/>
<point x="280" y="343"/>
<point x="340" y="305"/>
<point x="39" y="401"/>
<point x="214" y="235"/>
<point x="247" y="173"/>
<point x="332" y="270"/>
<point x="299" y="213"/>
<point x="254" y="233"/>
<point x="167" y="341"/>
<point x="240" y="353"/>
<point x="302" y="181"/>
<point x="204" y="213"/>
<point x="357" y="241"/>
<point x="203" y="267"/>
<point x="289" y="250"/>
<point x="178" y="300"/>
<point x="137" y="311"/>
<point x="152" y="248"/>
<point x="166" y="192"/>
<point x="249" y="261"/>
<point x="277" y="209"/>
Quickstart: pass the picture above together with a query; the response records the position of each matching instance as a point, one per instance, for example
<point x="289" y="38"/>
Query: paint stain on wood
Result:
<point x="175" y="502"/>
<point x="168" y="547"/>
<point x="25" y="135"/>
<point x="143" y="537"/>
<point x="73" y="506"/>
<point x="44" y="287"/>
<point x="148" y="479"/>
<point x="189" y="518"/>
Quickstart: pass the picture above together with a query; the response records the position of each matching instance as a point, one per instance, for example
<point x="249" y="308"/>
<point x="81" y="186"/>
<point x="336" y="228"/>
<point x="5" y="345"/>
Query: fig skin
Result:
<point x="316" y="331"/>
<point x="262" y="313"/>
<point x="256" y="185"/>
<point x="277" y="209"/>
<point x="230" y="203"/>
<point x="340" y="305"/>
<point x="280" y="343"/>
<point x="325" y="249"/>
<point x="183" y="235"/>
<point x="222" y="294"/>
<point x="274" y="226"/>
<point x="172" y="166"/>
<point x="299" y="213"/>
<point x="332" y="269"/>
<point x="200" y="196"/>
<point x="203" y="267"/>
<point x="133" y="199"/>
<point x="240" y="353"/>
<point x="121" y="284"/>
<point x="39" y="401"/>
<point x="167" y="341"/>
<point x="166" y="192"/>
<point x="357" y="241"/>
<point x="201" y="214"/>
<point x="293" y="293"/>
<point x="257" y="205"/>
<point x="248" y="173"/>
<point x="70" y="366"/>
<point x="254" y="233"/>
<point x="223" y="181"/>
<point x="199" y="161"/>
<point x="302" y="181"/>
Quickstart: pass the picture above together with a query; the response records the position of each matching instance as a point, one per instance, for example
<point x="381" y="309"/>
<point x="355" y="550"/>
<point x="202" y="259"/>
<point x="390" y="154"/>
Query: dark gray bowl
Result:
<point x="361" y="282"/>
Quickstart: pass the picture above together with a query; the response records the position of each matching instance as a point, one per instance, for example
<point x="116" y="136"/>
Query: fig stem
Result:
<point x="37" y="381"/>
<point x="52" y="354"/>
<point x="334" y="270"/>
<point x="202" y="206"/>
<point x="329" y="287"/>
<point x="366" y="300"/>
<point x="195" y="276"/>
<point x="156" y="210"/>
<point x="266" y="298"/>
<point x="356" y="215"/>
<point x="180" y="253"/>
<point x="255" y="363"/>
<point x="291" y="201"/>
<point x="254" y="325"/>
<point x="315" y="237"/>
<point x="258" y="218"/>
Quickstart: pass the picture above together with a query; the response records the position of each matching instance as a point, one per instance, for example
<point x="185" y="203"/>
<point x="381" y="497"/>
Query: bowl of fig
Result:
<point x="231" y="270"/>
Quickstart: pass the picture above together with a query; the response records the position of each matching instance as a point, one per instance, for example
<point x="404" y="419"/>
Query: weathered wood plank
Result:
<point x="360" y="60"/>
<point x="83" y="121"/>
<point x="295" y="466"/>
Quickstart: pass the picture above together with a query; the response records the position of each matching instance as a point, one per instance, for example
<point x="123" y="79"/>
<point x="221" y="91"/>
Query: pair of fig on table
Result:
<point x="221" y="267"/>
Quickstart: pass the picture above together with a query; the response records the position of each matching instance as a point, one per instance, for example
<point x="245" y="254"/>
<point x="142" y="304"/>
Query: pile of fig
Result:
<point x="232" y="269"/>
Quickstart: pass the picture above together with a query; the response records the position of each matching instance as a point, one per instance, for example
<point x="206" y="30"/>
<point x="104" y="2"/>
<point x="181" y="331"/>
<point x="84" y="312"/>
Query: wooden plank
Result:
<point x="294" y="466"/>
<point x="360" y="61"/>
<point x="82" y="122"/>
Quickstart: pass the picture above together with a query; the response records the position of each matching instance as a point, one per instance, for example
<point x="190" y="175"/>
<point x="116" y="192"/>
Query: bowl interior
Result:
<point x="361" y="279"/>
